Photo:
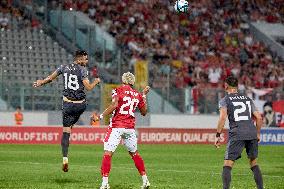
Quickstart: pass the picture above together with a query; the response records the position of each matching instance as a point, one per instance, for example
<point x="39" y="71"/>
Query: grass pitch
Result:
<point x="168" y="167"/>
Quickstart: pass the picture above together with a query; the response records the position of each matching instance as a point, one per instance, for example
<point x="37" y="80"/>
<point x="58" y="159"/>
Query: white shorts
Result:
<point x="114" y="136"/>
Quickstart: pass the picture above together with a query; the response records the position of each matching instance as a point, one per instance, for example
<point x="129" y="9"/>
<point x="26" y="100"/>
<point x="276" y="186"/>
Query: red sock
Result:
<point x="139" y="163"/>
<point x="106" y="165"/>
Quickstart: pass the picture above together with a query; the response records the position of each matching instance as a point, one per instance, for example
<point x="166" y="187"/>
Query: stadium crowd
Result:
<point x="13" y="17"/>
<point x="201" y="47"/>
<point x="197" y="49"/>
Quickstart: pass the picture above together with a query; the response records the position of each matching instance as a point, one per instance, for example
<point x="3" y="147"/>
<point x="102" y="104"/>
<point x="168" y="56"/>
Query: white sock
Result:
<point x="105" y="181"/>
<point x="65" y="160"/>
<point x="144" y="178"/>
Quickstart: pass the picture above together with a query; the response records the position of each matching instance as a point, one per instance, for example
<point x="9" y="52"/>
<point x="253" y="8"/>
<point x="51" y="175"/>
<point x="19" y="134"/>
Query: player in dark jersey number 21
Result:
<point x="242" y="133"/>
<point x="75" y="78"/>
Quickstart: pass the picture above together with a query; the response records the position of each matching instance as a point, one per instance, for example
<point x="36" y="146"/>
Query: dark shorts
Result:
<point x="71" y="112"/>
<point x="235" y="148"/>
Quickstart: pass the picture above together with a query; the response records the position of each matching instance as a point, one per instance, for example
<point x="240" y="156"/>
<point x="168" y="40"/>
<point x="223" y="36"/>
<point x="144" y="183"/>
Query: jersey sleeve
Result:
<point x="141" y="102"/>
<point x="84" y="73"/>
<point x="223" y="103"/>
<point x="59" y="70"/>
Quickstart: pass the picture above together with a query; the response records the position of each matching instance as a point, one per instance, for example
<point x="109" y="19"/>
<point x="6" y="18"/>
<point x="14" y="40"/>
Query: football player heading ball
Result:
<point x="125" y="100"/>
<point x="75" y="77"/>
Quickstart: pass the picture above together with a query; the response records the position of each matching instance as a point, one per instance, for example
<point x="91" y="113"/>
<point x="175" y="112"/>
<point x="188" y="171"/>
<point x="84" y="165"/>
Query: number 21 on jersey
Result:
<point x="129" y="104"/>
<point x="242" y="109"/>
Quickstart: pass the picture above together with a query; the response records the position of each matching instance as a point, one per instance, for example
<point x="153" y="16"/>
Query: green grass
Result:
<point x="168" y="166"/>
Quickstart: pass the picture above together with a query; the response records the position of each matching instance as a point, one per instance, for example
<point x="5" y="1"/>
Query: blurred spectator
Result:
<point x="35" y="23"/>
<point x="269" y="115"/>
<point x="4" y="21"/>
<point x="214" y="76"/>
<point x="95" y="123"/>
<point x="95" y="72"/>
<point x="92" y="10"/>
<point x="19" y="117"/>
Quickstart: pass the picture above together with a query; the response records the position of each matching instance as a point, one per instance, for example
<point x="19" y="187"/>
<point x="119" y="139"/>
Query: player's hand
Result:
<point x="258" y="137"/>
<point x="146" y="90"/>
<point x="97" y="80"/>
<point x="217" y="142"/>
<point x="38" y="83"/>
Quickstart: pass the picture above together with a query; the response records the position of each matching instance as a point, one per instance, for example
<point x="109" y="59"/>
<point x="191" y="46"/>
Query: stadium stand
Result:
<point x="27" y="54"/>
<point x="141" y="33"/>
<point x="196" y="50"/>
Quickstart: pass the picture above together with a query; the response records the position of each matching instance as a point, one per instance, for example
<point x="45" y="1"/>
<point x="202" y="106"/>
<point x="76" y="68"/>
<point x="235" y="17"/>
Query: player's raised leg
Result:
<point x="71" y="113"/>
<point x="65" y="146"/>
<point x="68" y="119"/>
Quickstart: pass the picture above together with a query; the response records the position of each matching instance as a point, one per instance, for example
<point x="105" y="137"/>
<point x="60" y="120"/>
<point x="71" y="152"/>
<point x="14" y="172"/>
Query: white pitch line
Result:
<point x="129" y="168"/>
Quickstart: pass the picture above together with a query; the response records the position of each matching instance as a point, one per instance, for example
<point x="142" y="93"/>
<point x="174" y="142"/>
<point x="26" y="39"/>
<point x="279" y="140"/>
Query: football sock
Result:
<point x="65" y="160"/>
<point x="105" y="181"/>
<point x="106" y="165"/>
<point x="65" y="143"/>
<point x="139" y="163"/>
<point x="144" y="178"/>
<point x="226" y="176"/>
<point x="257" y="176"/>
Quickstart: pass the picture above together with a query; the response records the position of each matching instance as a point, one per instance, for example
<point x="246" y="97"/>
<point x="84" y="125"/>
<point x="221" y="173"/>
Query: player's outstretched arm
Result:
<point x="221" y="124"/>
<point x="144" y="109"/>
<point x="109" y="109"/>
<point x="48" y="79"/>
<point x="89" y="86"/>
<point x="259" y="123"/>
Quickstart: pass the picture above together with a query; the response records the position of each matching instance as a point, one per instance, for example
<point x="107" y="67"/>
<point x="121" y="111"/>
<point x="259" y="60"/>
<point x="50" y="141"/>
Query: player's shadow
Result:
<point x="66" y="181"/>
<point x="123" y="187"/>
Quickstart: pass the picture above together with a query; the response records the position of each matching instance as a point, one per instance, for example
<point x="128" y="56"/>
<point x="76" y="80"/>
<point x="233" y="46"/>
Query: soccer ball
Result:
<point x="181" y="6"/>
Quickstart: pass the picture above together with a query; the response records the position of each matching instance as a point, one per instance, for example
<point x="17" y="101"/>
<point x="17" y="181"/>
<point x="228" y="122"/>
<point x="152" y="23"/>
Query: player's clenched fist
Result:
<point x="97" y="80"/>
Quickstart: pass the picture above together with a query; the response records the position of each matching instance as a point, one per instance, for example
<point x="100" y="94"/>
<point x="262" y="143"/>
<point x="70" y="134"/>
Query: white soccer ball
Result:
<point x="181" y="6"/>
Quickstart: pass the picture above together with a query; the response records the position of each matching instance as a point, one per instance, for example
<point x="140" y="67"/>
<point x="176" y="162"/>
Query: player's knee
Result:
<point x="133" y="153"/>
<point x="228" y="163"/>
<point x="252" y="162"/>
<point x="108" y="153"/>
<point x="67" y="129"/>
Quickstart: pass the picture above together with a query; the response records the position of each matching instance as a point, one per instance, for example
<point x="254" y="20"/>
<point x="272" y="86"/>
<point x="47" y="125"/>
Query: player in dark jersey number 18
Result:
<point x="75" y="76"/>
<point x="242" y="132"/>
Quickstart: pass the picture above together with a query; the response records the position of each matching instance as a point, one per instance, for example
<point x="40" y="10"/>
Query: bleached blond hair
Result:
<point x="128" y="78"/>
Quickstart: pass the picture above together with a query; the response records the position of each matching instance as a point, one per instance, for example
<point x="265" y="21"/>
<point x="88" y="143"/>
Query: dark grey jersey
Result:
<point x="73" y="76"/>
<point x="239" y="109"/>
